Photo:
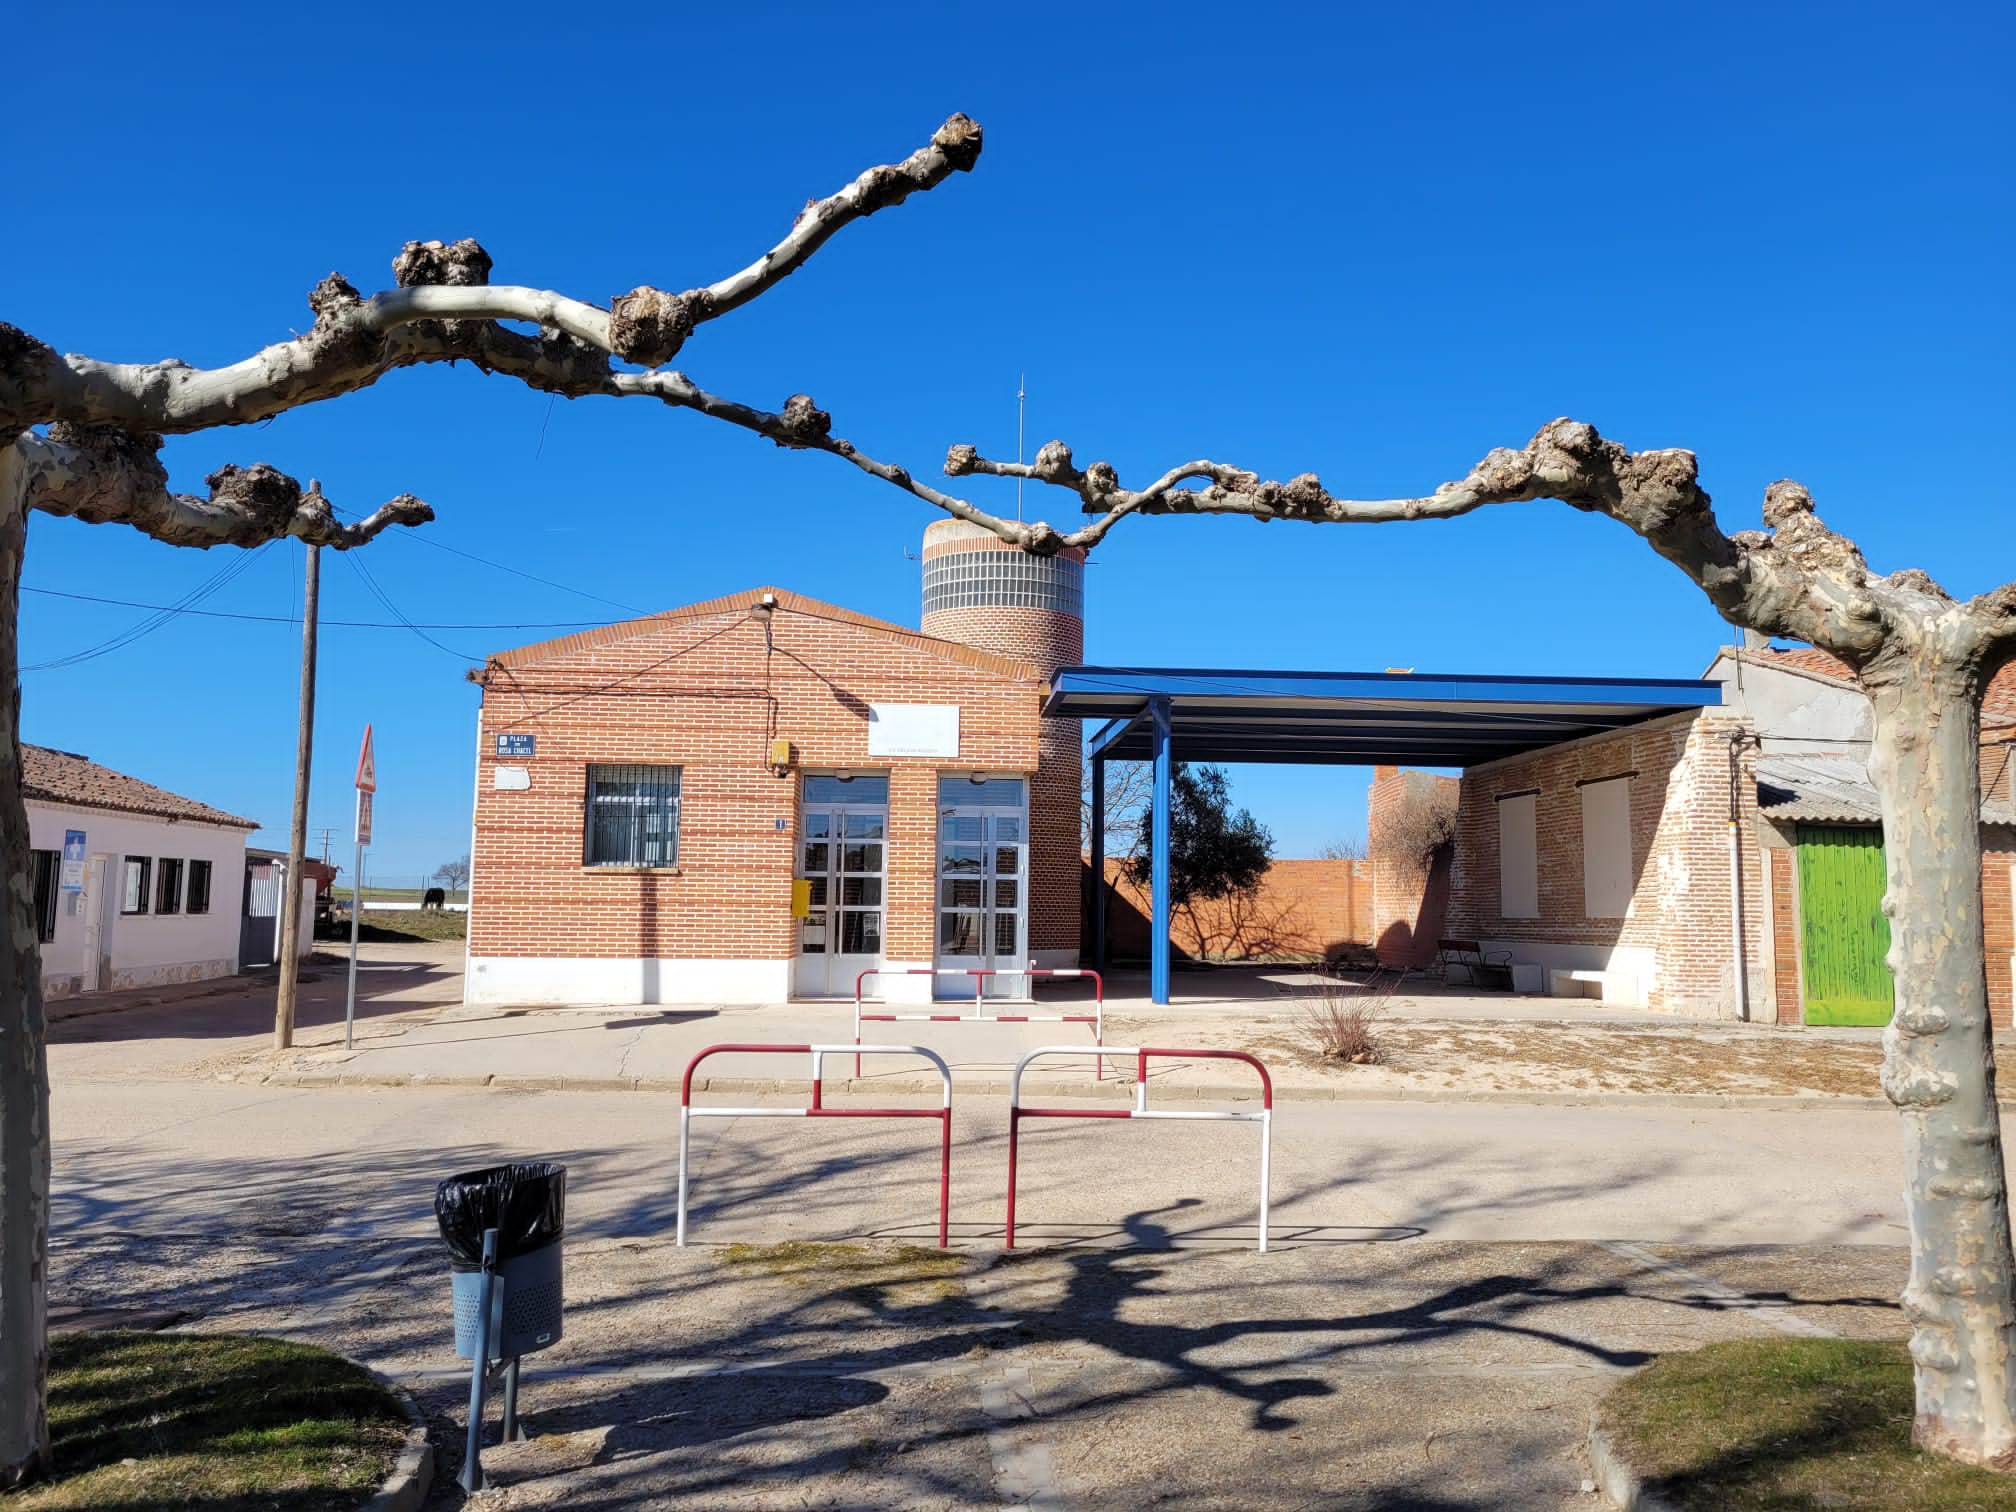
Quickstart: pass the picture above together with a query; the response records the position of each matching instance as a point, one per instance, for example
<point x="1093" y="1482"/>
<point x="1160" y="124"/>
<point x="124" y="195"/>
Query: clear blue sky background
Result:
<point x="1367" y="241"/>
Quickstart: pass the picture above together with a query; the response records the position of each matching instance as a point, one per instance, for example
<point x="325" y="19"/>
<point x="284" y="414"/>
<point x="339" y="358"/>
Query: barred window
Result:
<point x="199" y="887"/>
<point x="633" y="816"/>
<point x="139" y="872"/>
<point x="168" y="886"/>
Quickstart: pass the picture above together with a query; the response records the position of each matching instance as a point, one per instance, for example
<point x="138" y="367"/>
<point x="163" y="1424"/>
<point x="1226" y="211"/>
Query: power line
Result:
<point x="421" y="538"/>
<point x="163" y="614"/>
<point x="295" y="619"/>
<point x="393" y="609"/>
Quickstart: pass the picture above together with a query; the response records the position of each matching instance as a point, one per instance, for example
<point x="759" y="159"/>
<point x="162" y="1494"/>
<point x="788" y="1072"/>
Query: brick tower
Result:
<point x="982" y="592"/>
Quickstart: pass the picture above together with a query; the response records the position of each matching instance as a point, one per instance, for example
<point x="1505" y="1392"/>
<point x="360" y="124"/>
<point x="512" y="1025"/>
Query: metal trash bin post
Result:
<point x="503" y="1227"/>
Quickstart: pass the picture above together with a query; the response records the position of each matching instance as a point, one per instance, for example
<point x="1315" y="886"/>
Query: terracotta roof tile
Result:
<point x="61" y="777"/>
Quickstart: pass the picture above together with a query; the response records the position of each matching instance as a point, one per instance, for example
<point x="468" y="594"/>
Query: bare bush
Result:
<point x="1421" y="823"/>
<point x="1344" y="1028"/>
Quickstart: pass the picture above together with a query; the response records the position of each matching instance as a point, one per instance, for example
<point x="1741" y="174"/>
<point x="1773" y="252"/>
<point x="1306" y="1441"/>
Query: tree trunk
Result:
<point x="24" y="1069"/>
<point x="1939" y="1064"/>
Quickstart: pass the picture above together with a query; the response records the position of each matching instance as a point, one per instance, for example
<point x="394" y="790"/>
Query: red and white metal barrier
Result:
<point x="818" y="1109"/>
<point x="1096" y="1018"/>
<point x="1264" y="1118"/>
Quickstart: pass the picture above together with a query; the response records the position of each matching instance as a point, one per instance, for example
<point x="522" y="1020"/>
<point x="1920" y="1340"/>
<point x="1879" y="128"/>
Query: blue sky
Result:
<point x="1366" y="241"/>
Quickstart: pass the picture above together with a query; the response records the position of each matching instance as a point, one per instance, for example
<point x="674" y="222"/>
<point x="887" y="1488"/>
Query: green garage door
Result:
<point x="1843" y="933"/>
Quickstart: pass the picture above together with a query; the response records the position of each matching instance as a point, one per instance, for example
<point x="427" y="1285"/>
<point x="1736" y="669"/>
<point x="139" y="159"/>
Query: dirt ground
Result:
<point x="1568" y="1057"/>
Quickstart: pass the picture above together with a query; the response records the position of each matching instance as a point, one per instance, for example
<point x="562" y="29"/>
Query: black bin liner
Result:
<point x="526" y="1203"/>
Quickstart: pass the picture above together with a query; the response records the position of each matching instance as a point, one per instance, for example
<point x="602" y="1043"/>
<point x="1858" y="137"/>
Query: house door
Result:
<point x="1843" y="934"/>
<point x="843" y="848"/>
<point x="983" y="853"/>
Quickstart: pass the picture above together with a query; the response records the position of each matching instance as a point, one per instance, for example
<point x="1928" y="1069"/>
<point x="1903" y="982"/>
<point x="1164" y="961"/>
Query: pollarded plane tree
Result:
<point x="1924" y="659"/>
<point x="85" y="435"/>
<point x="83" y="441"/>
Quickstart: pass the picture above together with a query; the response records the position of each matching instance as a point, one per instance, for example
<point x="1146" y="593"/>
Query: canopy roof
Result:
<point x="1357" y="718"/>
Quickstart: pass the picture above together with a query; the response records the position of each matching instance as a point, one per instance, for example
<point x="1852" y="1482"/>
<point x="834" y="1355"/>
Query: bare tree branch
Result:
<point x="103" y="475"/>
<point x="440" y="312"/>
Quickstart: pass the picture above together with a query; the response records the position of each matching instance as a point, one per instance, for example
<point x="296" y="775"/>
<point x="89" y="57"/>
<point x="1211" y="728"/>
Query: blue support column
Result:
<point x="1098" y="862"/>
<point x="1158" y="940"/>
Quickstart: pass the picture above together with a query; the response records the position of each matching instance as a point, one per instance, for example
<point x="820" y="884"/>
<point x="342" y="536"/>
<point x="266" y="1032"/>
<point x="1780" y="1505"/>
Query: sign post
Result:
<point x="367" y="789"/>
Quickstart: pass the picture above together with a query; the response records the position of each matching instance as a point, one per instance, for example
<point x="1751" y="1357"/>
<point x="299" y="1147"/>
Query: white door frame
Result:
<point x="1014" y="983"/>
<point x="828" y="973"/>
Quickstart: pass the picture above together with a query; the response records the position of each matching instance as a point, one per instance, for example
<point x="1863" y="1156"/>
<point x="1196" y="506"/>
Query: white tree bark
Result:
<point x="1939" y="1061"/>
<point x="24" y="1071"/>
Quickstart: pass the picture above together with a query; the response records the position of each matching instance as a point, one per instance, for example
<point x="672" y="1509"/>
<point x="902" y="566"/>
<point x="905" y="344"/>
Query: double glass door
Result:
<point x="843" y="849"/>
<point x="983" y="850"/>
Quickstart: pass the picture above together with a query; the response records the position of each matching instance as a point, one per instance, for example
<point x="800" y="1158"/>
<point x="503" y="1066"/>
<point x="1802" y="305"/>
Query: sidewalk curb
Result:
<point x="1111" y="1090"/>
<point x="413" y="1472"/>
<point x="1617" y="1480"/>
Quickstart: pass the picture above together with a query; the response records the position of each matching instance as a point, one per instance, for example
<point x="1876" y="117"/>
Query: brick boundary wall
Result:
<point x="1303" y="910"/>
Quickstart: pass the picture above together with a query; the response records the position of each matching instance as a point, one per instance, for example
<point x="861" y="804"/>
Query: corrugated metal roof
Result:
<point x="1832" y="790"/>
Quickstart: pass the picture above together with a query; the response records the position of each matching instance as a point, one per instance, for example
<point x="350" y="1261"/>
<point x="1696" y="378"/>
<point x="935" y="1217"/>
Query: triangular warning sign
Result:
<point x="367" y="769"/>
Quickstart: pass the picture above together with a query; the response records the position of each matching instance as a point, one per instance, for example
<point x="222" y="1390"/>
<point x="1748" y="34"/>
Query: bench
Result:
<point x="1492" y="970"/>
<point x="1575" y="984"/>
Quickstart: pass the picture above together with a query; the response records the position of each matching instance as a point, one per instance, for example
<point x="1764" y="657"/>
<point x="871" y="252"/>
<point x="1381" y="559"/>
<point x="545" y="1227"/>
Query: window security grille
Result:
<point x="168" y="894"/>
<point x="46" y="863"/>
<point x="633" y="816"/>
<point x="199" y="887"/>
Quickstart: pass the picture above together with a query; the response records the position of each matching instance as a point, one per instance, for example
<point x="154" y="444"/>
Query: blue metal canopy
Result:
<point x="1171" y="714"/>
<point x="1357" y="718"/>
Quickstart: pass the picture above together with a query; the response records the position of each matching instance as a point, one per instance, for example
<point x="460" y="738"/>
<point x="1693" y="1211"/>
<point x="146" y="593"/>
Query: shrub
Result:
<point x="1344" y="1028"/>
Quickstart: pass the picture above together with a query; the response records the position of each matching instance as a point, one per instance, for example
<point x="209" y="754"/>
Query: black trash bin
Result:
<point x="526" y="1204"/>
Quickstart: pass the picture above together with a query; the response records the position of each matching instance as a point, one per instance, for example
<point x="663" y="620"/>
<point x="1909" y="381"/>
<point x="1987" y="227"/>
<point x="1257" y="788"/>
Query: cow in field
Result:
<point x="435" y="900"/>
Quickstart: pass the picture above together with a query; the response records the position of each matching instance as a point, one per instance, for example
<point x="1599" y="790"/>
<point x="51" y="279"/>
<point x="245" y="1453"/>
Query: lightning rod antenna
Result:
<point x="1021" y="398"/>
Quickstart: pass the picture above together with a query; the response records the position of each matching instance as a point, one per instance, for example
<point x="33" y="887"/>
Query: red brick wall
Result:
<point x="1996" y="861"/>
<point x="1787" y="997"/>
<point x="1679" y="806"/>
<point x="1302" y="910"/>
<point x="1410" y="900"/>
<point x="697" y="690"/>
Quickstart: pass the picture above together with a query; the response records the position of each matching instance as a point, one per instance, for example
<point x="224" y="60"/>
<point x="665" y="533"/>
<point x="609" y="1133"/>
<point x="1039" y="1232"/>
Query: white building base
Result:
<point x="550" y="981"/>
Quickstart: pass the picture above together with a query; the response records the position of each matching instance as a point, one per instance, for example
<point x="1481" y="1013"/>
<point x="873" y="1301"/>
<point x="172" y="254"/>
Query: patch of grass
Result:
<point x="394" y="927"/>
<point x="223" y="1422"/>
<point x="803" y="1260"/>
<point x="1769" y="1425"/>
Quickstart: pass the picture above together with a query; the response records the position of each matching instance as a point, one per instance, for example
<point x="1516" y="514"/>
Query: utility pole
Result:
<point x="297" y="833"/>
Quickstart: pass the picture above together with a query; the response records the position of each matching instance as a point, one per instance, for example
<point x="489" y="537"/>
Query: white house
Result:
<point x="134" y="885"/>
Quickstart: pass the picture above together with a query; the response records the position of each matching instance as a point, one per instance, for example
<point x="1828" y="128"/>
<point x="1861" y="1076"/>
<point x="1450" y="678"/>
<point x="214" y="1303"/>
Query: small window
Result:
<point x="168" y="886"/>
<point x="1518" y="857"/>
<point x="633" y="816"/>
<point x="47" y="871"/>
<point x="139" y="872"/>
<point x="199" y="887"/>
